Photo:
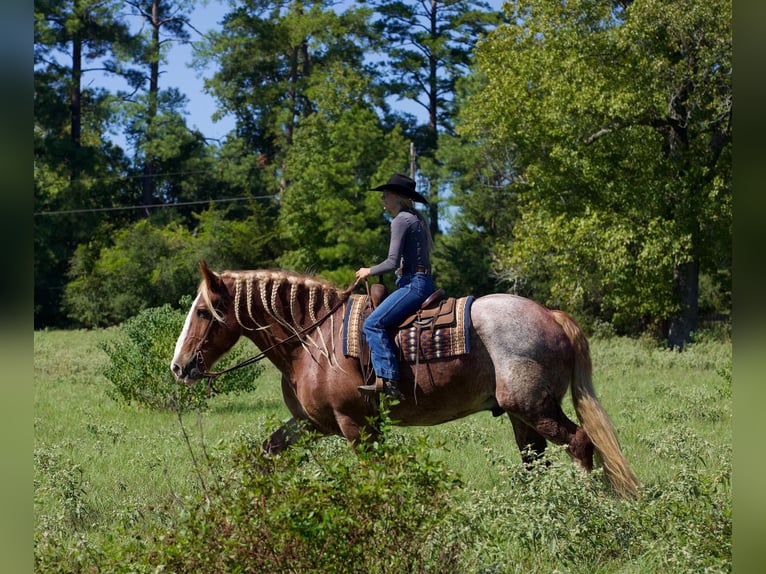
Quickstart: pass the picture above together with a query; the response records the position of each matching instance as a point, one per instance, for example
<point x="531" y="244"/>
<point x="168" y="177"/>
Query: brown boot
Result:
<point x="391" y="390"/>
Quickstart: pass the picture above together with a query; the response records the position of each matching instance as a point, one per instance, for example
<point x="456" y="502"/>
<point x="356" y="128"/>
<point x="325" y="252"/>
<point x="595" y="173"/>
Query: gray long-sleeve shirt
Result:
<point x="409" y="245"/>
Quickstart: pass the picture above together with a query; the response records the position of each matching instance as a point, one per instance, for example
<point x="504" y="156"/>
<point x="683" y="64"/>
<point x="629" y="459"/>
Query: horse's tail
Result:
<point x="593" y="418"/>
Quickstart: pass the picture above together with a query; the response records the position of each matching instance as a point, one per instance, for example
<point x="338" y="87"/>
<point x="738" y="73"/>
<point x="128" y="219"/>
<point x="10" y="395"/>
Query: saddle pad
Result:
<point x="438" y="343"/>
<point x="422" y="344"/>
<point x="352" y="325"/>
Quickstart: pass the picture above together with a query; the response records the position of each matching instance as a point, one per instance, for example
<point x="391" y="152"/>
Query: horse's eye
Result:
<point x="204" y="314"/>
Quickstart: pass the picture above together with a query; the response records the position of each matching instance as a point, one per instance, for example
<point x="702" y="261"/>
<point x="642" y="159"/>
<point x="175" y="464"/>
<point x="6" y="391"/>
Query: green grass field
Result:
<point x="106" y="471"/>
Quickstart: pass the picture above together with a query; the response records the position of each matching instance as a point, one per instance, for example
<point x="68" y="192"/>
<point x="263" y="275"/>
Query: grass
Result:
<point x="105" y="471"/>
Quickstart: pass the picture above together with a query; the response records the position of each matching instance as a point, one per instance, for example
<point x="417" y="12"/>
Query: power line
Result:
<point x="151" y="206"/>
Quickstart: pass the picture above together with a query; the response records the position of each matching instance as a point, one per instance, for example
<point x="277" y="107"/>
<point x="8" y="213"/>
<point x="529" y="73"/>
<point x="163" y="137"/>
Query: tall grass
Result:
<point x="108" y="474"/>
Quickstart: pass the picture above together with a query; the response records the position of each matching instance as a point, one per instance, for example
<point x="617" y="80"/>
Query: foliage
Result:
<point x="561" y="522"/>
<point x="268" y="54"/>
<point x="596" y="265"/>
<point x="237" y="236"/>
<point x="146" y="267"/>
<point x="620" y="112"/>
<point x="462" y="263"/>
<point x="139" y="367"/>
<point x="81" y="177"/>
<point x="149" y="264"/>
<point x="428" y="48"/>
<point x="314" y="511"/>
<point x="329" y="219"/>
<point x="589" y="167"/>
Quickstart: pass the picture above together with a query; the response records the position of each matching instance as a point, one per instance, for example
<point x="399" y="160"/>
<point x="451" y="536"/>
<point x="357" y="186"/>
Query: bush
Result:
<point x="561" y="521"/>
<point x="315" y="508"/>
<point x="139" y="365"/>
<point x="147" y="266"/>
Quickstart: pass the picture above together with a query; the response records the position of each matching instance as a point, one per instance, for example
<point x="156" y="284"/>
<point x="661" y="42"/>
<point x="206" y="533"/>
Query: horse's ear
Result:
<point x="211" y="278"/>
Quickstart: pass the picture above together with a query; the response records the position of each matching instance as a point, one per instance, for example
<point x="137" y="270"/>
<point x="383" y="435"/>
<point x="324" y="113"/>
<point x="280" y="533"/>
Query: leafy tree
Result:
<point x="238" y="236"/>
<point x="428" y="46"/>
<point x="167" y="22"/>
<point x="147" y="266"/>
<point x="617" y="117"/>
<point x="74" y="165"/>
<point x="329" y="219"/>
<point x="268" y="53"/>
<point x="153" y="263"/>
<point x="481" y="210"/>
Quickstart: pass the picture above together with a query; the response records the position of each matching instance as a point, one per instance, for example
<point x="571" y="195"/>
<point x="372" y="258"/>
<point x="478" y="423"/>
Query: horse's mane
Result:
<point x="266" y="288"/>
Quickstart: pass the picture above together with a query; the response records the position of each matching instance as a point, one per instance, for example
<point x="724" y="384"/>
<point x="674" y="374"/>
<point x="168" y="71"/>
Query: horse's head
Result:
<point x="210" y="329"/>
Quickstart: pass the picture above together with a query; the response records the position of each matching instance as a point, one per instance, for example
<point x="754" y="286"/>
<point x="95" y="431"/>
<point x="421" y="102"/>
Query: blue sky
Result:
<point x="177" y="73"/>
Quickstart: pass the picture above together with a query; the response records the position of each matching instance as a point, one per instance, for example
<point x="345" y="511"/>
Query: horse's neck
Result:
<point x="284" y="314"/>
<point x="277" y="301"/>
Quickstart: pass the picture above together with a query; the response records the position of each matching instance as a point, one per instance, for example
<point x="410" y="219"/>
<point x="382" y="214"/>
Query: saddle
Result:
<point x="438" y="329"/>
<point x="436" y="311"/>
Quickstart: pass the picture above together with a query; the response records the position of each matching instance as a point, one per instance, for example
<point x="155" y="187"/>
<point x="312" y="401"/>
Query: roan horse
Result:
<point x="523" y="357"/>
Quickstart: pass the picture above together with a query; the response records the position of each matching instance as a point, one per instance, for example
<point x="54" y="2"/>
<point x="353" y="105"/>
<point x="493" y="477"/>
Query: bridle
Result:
<point x="212" y="375"/>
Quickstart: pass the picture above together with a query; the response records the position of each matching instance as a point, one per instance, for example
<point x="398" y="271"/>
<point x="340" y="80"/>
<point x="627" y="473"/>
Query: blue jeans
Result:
<point x="411" y="291"/>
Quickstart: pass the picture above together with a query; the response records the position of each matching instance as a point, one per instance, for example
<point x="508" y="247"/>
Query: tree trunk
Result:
<point x="75" y="108"/>
<point x="686" y="289"/>
<point x="149" y="183"/>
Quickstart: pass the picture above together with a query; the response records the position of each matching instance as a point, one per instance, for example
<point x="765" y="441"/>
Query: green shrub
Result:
<point x="318" y="507"/>
<point x="147" y="266"/>
<point x="560" y="521"/>
<point x="139" y="367"/>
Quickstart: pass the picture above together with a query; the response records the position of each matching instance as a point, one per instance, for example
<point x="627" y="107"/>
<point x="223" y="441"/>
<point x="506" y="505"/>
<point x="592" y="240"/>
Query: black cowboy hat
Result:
<point x="402" y="185"/>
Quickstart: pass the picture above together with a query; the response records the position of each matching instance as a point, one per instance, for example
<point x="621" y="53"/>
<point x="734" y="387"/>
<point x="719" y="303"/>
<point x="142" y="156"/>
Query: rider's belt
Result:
<point x="416" y="269"/>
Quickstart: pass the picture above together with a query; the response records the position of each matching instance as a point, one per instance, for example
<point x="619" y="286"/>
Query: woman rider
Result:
<point x="408" y="255"/>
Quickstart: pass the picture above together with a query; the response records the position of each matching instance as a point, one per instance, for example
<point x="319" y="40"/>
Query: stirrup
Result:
<point x="385" y="386"/>
<point x="372" y="388"/>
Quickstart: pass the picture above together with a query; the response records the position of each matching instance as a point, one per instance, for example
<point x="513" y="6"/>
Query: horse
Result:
<point x="523" y="357"/>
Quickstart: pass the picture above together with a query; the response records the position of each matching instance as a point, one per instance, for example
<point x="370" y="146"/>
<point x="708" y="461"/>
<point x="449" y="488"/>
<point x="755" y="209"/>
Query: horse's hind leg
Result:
<point x="550" y="423"/>
<point x="531" y="443"/>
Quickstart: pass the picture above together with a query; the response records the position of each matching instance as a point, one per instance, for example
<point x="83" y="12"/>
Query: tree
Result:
<point x="617" y="117"/>
<point x="428" y="46"/>
<point x="482" y="214"/>
<point x="330" y="221"/>
<point x="153" y="263"/>
<point x="168" y="23"/>
<point x="268" y="53"/>
<point x="74" y="164"/>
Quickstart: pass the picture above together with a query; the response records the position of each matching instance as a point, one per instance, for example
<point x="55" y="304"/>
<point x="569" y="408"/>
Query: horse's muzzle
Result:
<point x="192" y="371"/>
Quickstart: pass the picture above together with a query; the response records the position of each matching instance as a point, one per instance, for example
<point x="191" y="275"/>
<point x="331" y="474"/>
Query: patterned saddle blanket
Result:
<point x="436" y="333"/>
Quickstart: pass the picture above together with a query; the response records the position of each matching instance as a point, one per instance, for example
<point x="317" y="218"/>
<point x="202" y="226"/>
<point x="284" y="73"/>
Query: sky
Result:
<point x="179" y="75"/>
<point x="176" y="73"/>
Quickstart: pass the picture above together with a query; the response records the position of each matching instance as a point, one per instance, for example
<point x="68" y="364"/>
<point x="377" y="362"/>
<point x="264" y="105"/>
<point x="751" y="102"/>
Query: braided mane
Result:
<point x="293" y="301"/>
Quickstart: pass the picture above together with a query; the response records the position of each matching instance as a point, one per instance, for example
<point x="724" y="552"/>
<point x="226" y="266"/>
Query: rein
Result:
<point x="211" y="376"/>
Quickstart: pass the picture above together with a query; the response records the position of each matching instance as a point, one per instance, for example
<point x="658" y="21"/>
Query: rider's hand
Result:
<point x="362" y="273"/>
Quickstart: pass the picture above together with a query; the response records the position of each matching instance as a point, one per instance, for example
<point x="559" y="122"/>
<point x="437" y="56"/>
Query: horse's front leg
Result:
<point x="357" y="433"/>
<point x="286" y="436"/>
